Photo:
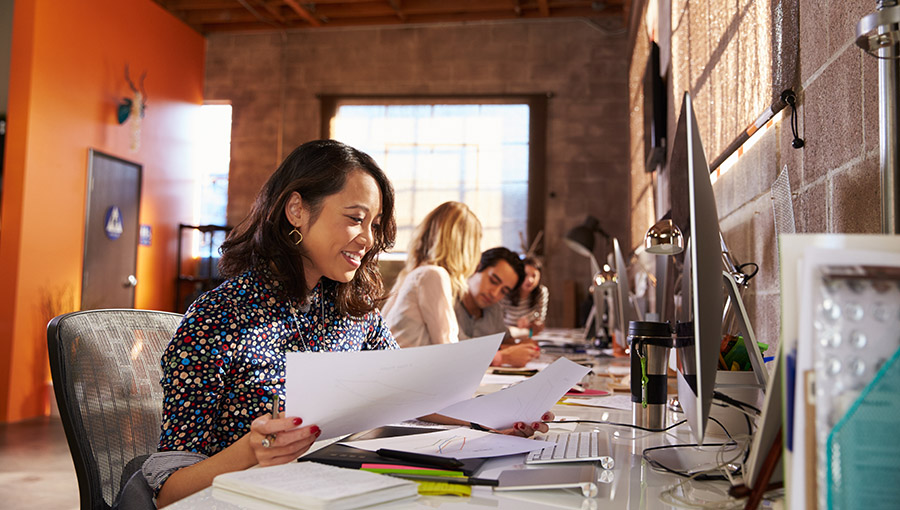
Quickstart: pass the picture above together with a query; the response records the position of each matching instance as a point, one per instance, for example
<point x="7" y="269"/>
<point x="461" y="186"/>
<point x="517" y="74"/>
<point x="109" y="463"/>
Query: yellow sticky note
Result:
<point x="444" y="488"/>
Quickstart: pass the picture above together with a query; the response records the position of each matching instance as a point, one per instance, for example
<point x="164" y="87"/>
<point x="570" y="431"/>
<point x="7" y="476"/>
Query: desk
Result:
<point x="632" y="483"/>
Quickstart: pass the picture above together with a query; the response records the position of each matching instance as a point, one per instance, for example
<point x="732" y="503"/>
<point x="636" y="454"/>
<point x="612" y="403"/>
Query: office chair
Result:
<point x="106" y="373"/>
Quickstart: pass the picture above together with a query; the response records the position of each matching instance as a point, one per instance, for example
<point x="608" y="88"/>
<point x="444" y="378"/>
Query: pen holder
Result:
<point x="650" y="343"/>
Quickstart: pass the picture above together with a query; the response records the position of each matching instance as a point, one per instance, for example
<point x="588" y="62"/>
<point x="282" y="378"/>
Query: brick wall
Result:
<point x="272" y="81"/>
<point x="835" y="178"/>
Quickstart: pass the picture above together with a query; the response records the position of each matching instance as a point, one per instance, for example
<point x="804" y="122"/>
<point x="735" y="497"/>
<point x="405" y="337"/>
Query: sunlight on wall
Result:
<point x="722" y="52"/>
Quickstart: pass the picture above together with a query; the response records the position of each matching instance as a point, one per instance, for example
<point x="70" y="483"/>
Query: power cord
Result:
<point x="695" y="476"/>
<point x="615" y="424"/>
<point x="747" y="276"/>
<point x="734" y="402"/>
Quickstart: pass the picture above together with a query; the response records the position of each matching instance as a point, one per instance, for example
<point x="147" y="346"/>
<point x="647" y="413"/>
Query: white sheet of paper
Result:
<point x="569" y="424"/>
<point x="536" y="365"/>
<point x="502" y="380"/>
<point x="611" y="401"/>
<point x="458" y="443"/>
<point x="348" y="392"/>
<point x="619" y="369"/>
<point x="524" y="402"/>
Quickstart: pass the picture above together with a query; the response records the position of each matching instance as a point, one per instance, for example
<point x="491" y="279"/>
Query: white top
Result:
<point x="421" y="312"/>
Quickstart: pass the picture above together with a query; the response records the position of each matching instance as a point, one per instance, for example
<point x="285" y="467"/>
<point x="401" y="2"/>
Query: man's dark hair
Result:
<point x="491" y="257"/>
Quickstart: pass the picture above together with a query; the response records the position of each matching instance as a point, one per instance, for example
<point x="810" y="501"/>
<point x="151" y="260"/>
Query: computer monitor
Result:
<point x="704" y="296"/>
<point x="624" y="311"/>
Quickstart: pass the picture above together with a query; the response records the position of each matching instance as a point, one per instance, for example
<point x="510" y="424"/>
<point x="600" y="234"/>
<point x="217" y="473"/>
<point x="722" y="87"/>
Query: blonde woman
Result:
<point x="443" y="253"/>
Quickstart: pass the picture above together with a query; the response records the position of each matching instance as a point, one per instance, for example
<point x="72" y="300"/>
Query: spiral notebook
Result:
<point x="310" y="485"/>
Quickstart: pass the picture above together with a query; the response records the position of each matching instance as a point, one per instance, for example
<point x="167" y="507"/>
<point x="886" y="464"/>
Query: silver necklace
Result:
<point x="304" y="309"/>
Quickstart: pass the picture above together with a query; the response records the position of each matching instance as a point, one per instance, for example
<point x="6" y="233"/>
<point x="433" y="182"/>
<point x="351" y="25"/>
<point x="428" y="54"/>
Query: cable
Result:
<point x="734" y="402"/>
<point x="702" y="475"/>
<point x="629" y="425"/>
<point x="790" y="98"/>
<point x="747" y="277"/>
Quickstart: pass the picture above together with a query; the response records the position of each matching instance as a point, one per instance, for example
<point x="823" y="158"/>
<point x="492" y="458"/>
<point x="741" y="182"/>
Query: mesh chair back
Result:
<point x="106" y="373"/>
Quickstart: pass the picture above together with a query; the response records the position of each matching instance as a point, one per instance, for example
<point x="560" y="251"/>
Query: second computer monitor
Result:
<point x="624" y="312"/>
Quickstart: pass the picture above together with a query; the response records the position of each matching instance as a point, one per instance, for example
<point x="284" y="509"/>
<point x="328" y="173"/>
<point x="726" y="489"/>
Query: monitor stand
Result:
<point x="743" y="321"/>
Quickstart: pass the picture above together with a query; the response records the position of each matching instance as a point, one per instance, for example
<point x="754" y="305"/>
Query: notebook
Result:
<point x="310" y="485"/>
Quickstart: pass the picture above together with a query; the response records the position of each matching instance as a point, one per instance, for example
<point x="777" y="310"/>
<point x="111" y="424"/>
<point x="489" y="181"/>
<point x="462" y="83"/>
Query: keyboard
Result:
<point x="573" y="447"/>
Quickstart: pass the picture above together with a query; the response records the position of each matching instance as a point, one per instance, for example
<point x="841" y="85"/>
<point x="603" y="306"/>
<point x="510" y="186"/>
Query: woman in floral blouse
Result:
<point x="302" y="276"/>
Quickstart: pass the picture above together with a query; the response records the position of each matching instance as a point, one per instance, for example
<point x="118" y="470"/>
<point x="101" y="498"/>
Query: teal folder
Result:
<point x="863" y="448"/>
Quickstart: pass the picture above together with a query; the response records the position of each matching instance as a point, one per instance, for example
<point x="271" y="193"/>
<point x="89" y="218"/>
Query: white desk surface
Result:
<point x="632" y="483"/>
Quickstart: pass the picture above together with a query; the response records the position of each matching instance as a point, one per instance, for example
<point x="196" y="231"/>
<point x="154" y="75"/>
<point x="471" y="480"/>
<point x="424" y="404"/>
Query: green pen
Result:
<point x="448" y="479"/>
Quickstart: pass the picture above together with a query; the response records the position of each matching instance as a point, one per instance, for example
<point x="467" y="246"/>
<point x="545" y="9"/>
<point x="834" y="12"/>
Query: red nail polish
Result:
<point x="298" y="421"/>
<point x="546" y="416"/>
<point x="315" y="430"/>
<point x="535" y="425"/>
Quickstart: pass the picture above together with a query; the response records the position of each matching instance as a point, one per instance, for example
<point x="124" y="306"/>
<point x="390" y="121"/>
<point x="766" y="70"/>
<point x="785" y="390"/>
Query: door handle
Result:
<point x="131" y="281"/>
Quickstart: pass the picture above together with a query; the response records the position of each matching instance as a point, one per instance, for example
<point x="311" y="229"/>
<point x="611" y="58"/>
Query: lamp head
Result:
<point x="664" y="238"/>
<point x="606" y="278"/>
<point x="581" y="238"/>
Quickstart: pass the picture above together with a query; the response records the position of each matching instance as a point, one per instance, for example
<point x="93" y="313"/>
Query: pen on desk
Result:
<point x="459" y="480"/>
<point x="420" y="458"/>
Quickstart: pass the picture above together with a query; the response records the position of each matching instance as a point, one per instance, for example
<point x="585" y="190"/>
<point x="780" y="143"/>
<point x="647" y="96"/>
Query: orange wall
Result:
<point x="67" y="75"/>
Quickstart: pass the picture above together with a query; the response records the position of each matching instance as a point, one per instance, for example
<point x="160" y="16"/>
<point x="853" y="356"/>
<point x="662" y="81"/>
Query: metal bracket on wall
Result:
<point x="877" y="34"/>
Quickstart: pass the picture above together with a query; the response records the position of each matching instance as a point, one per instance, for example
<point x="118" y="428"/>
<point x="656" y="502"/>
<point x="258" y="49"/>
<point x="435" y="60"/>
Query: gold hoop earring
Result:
<point x="295" y="231"/>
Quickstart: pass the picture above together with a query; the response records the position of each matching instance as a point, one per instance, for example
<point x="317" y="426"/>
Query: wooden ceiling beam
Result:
<point x="216" y="16"/>
<point x="208" y="16"/>
<point x="490" y="9"/>
<point x="198" y="5"/>
<point x="398" y="8"/>
<point x="273" y="11"/>
<point x="468" y="17"/>
<point x="303" y="13"/>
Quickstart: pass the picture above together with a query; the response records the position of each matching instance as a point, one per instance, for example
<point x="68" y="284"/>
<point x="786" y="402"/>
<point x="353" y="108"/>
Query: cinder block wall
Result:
<point x="272" y="81"/>
<point x="835" y="178"/>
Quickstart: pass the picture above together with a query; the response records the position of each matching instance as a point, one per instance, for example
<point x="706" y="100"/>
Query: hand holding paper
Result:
<point x="524" y="402"/>
<point x="347" y="392"/>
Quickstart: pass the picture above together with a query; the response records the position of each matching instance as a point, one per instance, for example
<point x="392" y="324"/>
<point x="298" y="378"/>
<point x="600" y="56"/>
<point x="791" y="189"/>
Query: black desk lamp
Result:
<point x="581" y="240"/>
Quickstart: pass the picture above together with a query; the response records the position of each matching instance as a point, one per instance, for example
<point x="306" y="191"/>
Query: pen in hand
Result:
<point x="269" y="440"/>
<point x="276" y="407"/>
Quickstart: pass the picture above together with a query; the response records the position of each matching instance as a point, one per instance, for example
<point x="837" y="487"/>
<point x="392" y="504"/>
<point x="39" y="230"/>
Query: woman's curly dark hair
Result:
<point x="315" y="170"/>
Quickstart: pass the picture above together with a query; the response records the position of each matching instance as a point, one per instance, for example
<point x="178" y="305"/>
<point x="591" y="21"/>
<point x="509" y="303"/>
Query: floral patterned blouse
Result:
<point x="227" y="358"/>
